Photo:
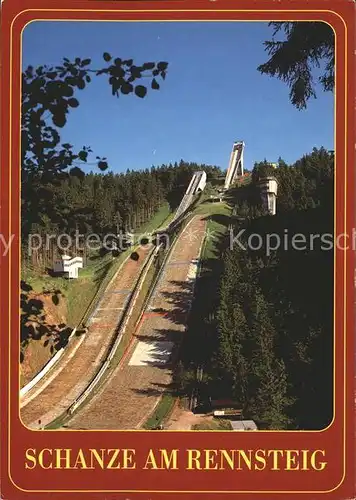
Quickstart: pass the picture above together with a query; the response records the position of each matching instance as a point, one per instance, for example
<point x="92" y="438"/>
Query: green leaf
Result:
<point x="70" y="80"/>
<point x="118" y="61"/>
<point x="107" y="57"/>
<point x="140" y="91"/>
<point x="67" y="91"/>
<point x="88" y="79"/>
<point x="135" y="72"/>
<point x="85" y="62"/>
<point x="155" y="84"/>
<point x="81" y="84"/>
<point x="118" y="71"/>
<point x="77" y="172"/>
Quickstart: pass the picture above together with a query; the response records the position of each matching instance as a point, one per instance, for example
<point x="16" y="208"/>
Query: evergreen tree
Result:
<point x="304" y="45"/>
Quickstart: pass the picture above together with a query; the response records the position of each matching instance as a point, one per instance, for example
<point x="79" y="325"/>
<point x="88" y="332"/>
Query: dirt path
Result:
<point x="145" y="371"/>
<point x="183" y="420"/>
<point x="78" y="365"/>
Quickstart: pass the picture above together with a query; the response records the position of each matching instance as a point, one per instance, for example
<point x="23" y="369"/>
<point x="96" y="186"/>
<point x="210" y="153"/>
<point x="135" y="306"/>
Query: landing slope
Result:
<point x="145" y="371"/>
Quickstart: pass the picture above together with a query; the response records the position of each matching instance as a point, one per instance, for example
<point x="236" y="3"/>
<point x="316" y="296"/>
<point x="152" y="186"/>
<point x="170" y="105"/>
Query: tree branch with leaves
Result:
<point x="48" y="95"/>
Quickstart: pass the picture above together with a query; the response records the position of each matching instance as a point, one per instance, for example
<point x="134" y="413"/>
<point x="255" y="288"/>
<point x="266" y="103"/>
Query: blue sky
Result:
<point x="212" y="96"/>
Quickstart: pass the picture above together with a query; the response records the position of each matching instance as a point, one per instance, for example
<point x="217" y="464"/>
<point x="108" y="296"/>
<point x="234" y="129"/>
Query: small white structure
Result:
<point x="269" y="187"/>
<point x="236" y="164"/>
<point x="67" y="264"/>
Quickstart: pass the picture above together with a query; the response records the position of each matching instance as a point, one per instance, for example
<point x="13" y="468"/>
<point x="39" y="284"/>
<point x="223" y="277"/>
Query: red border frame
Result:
<point x="160" y="484"/>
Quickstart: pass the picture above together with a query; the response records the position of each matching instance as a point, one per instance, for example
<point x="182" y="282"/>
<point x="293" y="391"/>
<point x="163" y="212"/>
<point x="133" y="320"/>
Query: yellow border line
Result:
<point x="83" y="20"/>
<point x="345" y="176"/>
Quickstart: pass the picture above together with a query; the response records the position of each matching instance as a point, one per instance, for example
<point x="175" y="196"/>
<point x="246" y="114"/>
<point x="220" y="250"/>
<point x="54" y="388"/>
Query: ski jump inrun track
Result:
<point x="132" y="391"/>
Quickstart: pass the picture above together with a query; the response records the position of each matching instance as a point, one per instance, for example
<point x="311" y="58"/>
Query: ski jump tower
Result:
<point x="236" y="164"/>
